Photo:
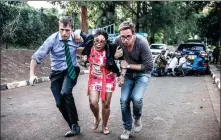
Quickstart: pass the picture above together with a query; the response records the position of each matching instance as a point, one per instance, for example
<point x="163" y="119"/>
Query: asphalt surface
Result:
<point x="175" y="108"/>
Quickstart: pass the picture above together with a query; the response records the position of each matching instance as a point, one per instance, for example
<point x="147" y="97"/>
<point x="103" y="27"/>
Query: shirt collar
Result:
<point x="69" y="39"/>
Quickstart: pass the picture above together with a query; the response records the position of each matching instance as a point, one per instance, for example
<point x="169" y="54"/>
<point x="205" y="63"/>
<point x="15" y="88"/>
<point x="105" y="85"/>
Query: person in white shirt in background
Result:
<point x="187" y="67"/>
<point x="172" y="65"/>
<point x="178" y="69"/>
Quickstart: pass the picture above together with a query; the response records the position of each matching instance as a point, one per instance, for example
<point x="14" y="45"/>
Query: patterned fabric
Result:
<point x="100" y="78"/>
<point x="70" y="66"/>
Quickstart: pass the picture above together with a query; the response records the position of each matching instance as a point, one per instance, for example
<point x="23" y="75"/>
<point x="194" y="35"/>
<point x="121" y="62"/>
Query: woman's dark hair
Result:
<point x="101" y="32"/>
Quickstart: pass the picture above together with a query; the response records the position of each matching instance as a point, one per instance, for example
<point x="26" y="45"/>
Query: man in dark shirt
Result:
<point x="135" y="75"/>
<point x="216" y="54"/>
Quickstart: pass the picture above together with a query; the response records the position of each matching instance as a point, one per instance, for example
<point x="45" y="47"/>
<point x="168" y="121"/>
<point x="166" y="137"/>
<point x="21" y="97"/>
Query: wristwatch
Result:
<point x="128" y="66"/>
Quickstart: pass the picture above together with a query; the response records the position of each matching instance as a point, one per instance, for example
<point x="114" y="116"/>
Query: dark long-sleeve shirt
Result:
<point x="140" y="54"/>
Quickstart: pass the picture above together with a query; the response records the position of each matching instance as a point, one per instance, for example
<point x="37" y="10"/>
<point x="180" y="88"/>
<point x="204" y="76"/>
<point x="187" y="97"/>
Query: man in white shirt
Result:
<point x="172" y="65"/>
<point x="178" y="69"/>
<point x="182" y="60"/>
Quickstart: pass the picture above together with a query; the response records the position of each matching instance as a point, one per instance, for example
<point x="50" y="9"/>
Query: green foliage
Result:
<point x="170" y="21"/>
<point x="24" y="26"/>
<point x="209" y="25"/>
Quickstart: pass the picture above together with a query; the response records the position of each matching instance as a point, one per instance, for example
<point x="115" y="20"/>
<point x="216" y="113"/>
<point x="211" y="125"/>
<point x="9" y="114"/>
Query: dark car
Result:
<point x="192" y="49"/>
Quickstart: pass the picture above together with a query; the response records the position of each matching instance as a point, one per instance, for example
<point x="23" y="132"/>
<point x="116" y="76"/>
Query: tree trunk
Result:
<point x="220" y="24"/>
<point x="164" y="40"/>
<point x="84" y="19"/>
<point x="145" y="15"/>
<point x="138" y="17"/>
<point x="152" y="39"/>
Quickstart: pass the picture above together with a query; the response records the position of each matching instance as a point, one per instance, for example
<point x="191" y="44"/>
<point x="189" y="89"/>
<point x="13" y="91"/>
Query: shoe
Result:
<point x="125" y="135"/>
<point x="96" y="124"/>
<point x="75" y="131"/>
<point x="69" y="134"/>
<point x="183" y="74"/>
<point x="137" y="125"/>
<point x="106" y="131"/>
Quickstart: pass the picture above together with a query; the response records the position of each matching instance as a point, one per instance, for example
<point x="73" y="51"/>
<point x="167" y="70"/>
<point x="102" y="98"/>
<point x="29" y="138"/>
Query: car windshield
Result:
<point x="157" y="46"/>
<point x="191" y="47"/>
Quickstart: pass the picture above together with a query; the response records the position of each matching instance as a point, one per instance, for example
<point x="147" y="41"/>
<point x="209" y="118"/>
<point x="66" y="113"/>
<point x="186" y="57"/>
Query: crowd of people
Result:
<point x="176" y="64"/>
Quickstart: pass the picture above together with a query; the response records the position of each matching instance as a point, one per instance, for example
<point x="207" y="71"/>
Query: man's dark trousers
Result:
<point x="61" y="87"/>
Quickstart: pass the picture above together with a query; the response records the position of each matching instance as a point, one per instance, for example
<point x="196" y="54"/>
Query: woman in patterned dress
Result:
<point x="102" y="75"/>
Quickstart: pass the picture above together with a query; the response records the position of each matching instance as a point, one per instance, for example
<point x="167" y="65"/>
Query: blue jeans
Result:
<point x="61" y="87"/>
<point x="133" y="89"/>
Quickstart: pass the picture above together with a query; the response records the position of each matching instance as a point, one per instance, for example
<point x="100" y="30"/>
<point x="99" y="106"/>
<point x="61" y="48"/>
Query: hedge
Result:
<point x="24" y="26"/>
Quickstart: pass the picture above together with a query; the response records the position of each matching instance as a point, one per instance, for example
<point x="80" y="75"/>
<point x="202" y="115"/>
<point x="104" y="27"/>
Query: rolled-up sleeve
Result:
<point x="43" y="50"/>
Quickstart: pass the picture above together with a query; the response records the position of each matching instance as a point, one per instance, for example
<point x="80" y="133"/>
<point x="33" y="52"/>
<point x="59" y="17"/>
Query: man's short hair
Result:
<point x="66" y="20"/>
<point x="127" y="25"/>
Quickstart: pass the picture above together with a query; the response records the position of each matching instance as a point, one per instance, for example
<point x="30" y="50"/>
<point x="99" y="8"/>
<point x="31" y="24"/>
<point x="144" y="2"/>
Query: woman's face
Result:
<point x="99" y="42"/>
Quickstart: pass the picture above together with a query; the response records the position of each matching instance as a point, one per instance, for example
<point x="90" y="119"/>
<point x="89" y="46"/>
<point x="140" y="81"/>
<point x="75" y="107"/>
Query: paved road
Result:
<point x="175" y="108"/>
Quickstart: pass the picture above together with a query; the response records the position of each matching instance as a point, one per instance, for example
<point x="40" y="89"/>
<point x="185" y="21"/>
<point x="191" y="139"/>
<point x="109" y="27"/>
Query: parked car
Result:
<point x="157" y="48"/>
<point x="192" y="49"/>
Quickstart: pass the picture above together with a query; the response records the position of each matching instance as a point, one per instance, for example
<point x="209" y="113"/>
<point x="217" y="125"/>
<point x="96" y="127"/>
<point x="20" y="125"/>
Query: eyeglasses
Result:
<point x="128" y="37"/>
<point x="102" y="42"/>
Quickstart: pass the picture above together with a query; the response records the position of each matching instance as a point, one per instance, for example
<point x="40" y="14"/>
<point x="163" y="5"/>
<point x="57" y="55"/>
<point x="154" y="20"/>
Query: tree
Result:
<point x="210" y="24"/>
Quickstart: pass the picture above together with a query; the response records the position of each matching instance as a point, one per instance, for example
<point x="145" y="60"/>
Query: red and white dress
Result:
<point x="100" y="78"/>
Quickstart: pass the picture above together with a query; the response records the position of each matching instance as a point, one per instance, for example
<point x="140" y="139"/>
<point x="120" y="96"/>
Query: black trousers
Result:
<point x="61" y="87"/>
<point x="215" y="59"/>
<point x="161" y="71"/>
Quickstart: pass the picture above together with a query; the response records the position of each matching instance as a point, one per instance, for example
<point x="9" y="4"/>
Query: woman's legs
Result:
<point x="106" y="112"/>
<point x="94" y="106"/>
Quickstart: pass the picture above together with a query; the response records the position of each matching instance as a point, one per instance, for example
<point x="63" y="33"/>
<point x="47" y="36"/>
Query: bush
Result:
<point x="24" y="26"/>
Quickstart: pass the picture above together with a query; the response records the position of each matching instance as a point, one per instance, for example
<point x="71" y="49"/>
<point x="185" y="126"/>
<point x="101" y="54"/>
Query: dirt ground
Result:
<point x="15" y="65"/>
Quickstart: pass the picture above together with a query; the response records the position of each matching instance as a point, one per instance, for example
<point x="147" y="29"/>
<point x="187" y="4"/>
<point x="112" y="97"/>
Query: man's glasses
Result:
<point x="102" y="42"/>
<point x="128" y="37"/>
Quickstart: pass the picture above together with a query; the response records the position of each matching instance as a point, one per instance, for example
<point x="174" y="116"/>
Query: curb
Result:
<point x="215" y="78"/>
<point x="26" y="83"/>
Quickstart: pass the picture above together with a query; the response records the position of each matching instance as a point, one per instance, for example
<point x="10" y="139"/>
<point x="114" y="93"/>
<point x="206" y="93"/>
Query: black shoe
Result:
<point x="75" y="131"/>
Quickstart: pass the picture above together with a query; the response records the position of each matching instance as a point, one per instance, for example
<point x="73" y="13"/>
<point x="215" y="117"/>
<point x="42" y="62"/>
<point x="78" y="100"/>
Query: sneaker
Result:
<point x="69" y="134"/>
<point x="75" y="131"/>
<point x="137" y="125"/>
<point x="125" y="135"/>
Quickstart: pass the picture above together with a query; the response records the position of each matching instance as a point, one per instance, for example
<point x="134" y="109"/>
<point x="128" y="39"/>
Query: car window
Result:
<point x="191" y="47"/>
<point x="157" y="46"/>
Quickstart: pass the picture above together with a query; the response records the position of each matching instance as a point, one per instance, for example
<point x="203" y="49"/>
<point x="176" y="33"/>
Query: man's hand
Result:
<point x="77" y="36"/>
<point x="33" y="79"/>
<point x="123" y="64"/>
<point x="84" y="58"/>
<point x="118" y="53"/>
<point x="120" y="80"/>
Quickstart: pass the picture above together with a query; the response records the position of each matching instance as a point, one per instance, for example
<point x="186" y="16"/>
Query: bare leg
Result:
<point x="106" y="112"/>
<point x="94" y="106"/>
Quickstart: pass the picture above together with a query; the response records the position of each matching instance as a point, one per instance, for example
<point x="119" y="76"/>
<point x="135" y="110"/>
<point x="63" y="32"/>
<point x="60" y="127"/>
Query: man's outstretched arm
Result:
<point x="33" y="77"/>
